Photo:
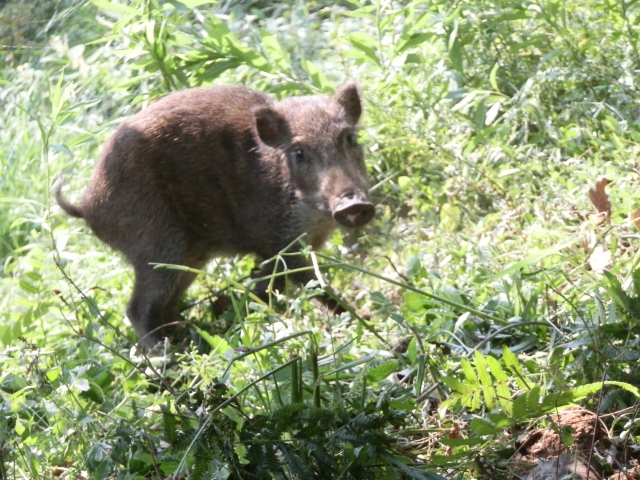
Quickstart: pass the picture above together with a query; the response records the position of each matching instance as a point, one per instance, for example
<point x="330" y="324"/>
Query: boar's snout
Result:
<point x="353" y="210"/>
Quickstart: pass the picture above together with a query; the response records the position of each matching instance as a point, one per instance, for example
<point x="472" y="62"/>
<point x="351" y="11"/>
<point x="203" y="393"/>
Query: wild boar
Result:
<point x="222" y="171"/>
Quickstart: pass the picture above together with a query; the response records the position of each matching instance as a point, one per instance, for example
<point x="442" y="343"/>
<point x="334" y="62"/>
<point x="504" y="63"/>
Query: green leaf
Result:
<point x="415" y="302"/>
<point x="477" y="138"/>
<point x="533" y="258"/>
<point x="628" y="387"/>
<point x="318" y="79"/>
<point x="366" y="44"/>
<point x="566" y="397"/>
<point x="456" y="385"/>
<point x="420" y="375"/>
<point x="485" y="380"/>
<point x="470" y="375"/>
<point x="499" y="419"/>
<point x="215" y="69"/>
<point x="480" y="115"/>
<point x="450" y="217"/>
<point x="533" y="399"/>
<point x="455" y="49"/>
<point x="413" y="41"/>
<point x="502" y="389"/>
<point x="482" y="426"/>
<point x="195" y="3"/>
<point x="493" y="77"/>
<point x="614" y="289"/>
<point x="496" y="369"/>
<point x="116" y="7"/>
<point x="411" y="472"/>
<point x="520" y="406"/>
<point x="275" y="51"/>
<point x="511" y="361"/>
<point x="382" y="371"/>
<point x="412" y="350"/>
<point x="566" y="435"/>
<point x="218" y="344"/>
<point x="404" y="183"/>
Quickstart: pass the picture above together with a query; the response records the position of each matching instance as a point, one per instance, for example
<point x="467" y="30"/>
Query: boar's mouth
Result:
<point x="353" y="211"/>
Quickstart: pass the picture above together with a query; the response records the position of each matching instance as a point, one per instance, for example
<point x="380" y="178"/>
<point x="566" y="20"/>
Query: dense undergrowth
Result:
<point x="498" y="283"/>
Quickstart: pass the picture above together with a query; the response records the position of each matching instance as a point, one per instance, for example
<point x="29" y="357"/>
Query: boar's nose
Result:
<point x="353" y="210"/>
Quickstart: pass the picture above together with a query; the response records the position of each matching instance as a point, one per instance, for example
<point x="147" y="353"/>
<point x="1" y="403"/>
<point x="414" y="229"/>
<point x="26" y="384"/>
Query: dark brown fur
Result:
<point x="222" y="171"/>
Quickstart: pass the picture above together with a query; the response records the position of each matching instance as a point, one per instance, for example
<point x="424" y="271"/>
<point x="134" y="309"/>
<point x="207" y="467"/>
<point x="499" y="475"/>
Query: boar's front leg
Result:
<point x="299" y="278"/>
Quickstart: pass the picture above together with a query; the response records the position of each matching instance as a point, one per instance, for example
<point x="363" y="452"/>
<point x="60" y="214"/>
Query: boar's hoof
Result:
<point x="352" y="211"/>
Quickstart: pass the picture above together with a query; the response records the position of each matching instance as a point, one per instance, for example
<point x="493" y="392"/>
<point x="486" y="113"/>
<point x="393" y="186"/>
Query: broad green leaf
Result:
<point x="476" y="401"/>
<point x="415" y="302"/>
<point x="249" y="56"/>
<point x="217" y="343"/>
<point x="275" y="51"/>
<point x="366" y="44"/>
<point x="318" y="79"/>
<point x="479" y="137"/>
<point x="20" y="427"/>
<point x="218" y="68"/>
<point x="413" y="40"/>
<point x="482" y="426"/>
<point x="382" y="371"/>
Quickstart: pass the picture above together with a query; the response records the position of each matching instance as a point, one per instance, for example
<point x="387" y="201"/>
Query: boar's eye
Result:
<point x="298" y="153"/>
<point x="352" y="141"/>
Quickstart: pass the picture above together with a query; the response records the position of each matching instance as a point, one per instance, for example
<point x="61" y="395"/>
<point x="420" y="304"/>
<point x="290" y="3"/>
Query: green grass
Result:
<point x="485" y="127"/>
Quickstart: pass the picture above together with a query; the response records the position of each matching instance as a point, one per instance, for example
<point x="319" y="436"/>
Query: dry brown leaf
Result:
<point x="600" y="199"/>
<point x="635" y="217"/>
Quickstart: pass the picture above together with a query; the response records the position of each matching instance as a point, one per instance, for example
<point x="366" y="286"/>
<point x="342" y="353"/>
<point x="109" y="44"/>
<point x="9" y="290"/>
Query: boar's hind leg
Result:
<point x="155" y="298"/>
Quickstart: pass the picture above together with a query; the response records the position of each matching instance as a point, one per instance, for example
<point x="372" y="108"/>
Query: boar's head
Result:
<point x="316" y="140"/>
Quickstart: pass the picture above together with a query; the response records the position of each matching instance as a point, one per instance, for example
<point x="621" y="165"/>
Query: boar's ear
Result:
<point x="272" y="127"/>
<point x="349" y="98"/>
